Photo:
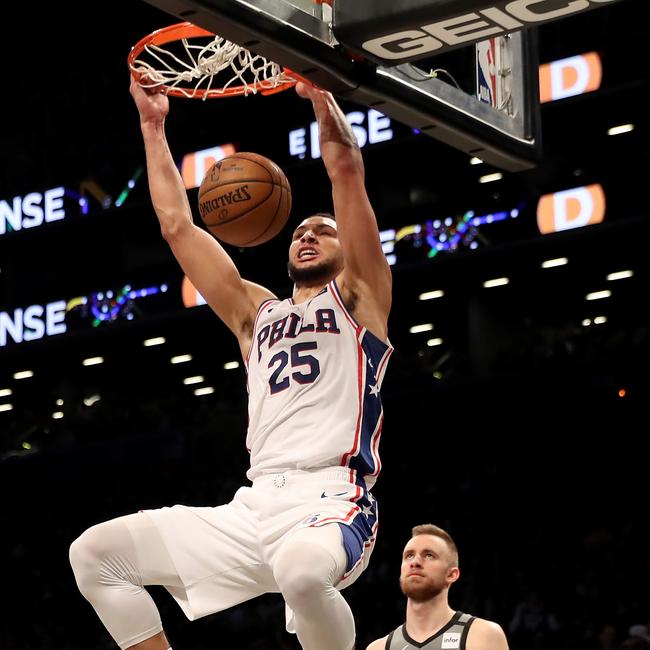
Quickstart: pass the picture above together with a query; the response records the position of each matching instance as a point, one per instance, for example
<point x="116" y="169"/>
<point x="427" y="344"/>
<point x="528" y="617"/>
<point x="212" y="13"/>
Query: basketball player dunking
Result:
<point x="307" y="525"/>
<point x="429" y="568"/>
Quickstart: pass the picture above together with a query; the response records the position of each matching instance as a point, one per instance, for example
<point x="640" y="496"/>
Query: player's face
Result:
<point x="315" y="254"/>
<point x="427" y="568"/>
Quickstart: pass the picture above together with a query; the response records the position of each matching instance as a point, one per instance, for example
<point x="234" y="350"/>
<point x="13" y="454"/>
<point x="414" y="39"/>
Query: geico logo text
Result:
<point x="500" y="18"/>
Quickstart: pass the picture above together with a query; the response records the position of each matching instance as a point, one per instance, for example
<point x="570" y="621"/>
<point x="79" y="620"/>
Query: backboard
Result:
<point x="378" y="53"/>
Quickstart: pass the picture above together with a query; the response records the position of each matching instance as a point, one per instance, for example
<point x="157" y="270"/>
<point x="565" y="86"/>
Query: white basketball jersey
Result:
<point x="314" y="376"/>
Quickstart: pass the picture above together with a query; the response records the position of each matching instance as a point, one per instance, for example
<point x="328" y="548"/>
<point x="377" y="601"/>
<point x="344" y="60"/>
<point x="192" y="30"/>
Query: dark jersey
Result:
<point x="450" y="637"/>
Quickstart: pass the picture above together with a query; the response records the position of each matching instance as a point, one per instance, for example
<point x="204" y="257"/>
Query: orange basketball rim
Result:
<point x="218" y="68"/>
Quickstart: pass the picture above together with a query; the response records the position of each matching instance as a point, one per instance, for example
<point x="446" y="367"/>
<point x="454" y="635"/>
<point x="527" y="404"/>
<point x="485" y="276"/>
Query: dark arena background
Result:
<point x="515" y="413"/>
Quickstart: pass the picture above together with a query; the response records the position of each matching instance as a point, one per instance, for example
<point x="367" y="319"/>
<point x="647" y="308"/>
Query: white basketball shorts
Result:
<point x="224" y="555"/>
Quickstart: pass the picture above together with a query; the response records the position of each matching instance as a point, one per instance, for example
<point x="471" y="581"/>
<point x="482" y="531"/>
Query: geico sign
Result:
<point x="31" y="210"/>
<point x="32" y="323"/>
<point x="581" y="206"/>
<point x="499" y="18"/>
<point x="568" y="77"/>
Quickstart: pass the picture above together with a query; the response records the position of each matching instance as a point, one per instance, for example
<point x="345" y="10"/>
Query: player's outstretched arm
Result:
<point x="367" y="276"/>
<point x="202" y="258"/>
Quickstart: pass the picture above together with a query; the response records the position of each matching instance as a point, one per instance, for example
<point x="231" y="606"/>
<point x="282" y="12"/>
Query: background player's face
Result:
<point x="427" y="568"/>
<point x="315" y="254"/>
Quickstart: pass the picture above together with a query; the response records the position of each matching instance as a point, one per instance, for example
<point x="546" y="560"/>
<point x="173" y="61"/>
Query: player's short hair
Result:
<point x="326" y="215"/>
<point x="436" y="531"/>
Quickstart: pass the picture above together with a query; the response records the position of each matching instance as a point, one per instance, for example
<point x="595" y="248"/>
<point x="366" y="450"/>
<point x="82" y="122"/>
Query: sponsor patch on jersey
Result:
<point x="451" y="641"/>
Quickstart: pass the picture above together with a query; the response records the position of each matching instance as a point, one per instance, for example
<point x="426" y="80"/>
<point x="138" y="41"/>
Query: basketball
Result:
<point x="244" y="199"/>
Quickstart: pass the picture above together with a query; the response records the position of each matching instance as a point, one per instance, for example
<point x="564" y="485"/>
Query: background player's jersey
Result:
<point x="452" y="636"/>
<point x="314" y="376"/>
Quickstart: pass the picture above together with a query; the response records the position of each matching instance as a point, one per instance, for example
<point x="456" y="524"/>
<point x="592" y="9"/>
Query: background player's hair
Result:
<point x="431" y="529"/>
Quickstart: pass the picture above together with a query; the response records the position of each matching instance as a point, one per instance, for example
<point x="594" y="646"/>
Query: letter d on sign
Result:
<point x="191" y="297"/>
<point x="195" y="165"/>
<point x="581" y="206"/>
<point x="568" y="77"/>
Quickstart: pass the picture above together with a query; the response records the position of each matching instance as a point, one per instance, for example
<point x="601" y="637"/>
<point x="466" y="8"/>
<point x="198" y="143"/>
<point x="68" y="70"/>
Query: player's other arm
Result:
<point x="204" y="261"/>
<point x="486" y="635"/>
<point x="367" y="275"/>
<point x="378" y="644"/>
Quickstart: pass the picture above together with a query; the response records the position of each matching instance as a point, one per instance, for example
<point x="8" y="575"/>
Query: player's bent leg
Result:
<point x="108" y="569"/>
<point x="307" y="569"/>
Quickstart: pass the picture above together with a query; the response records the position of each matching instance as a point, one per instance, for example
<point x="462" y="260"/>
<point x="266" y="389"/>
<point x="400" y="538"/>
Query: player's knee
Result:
<point x="86" y="555"/>
<point x="91" y="553"/>
<point x="84" y="562"/>
<point x="303" y="572"/>
<point x="300" y="584"/>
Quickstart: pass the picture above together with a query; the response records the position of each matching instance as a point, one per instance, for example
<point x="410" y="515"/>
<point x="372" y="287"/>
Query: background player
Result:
<point x="429" y="568"/>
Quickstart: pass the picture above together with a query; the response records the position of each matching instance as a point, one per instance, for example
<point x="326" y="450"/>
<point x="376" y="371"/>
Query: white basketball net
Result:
<point x="250" y="71"/>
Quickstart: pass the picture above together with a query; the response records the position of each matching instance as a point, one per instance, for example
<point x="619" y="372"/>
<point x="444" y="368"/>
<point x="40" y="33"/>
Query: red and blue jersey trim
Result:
<point x="372" y="359"/>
